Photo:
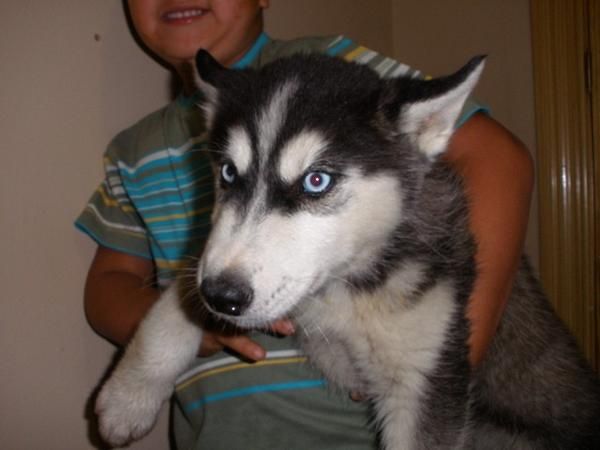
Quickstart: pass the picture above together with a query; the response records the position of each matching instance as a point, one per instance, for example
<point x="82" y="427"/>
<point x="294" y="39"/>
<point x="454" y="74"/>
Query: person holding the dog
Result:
<point x="152" y="214"/>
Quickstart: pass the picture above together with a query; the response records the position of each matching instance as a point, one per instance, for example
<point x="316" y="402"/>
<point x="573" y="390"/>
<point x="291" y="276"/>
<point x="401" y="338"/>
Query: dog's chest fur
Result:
<point x="370" y="341"/>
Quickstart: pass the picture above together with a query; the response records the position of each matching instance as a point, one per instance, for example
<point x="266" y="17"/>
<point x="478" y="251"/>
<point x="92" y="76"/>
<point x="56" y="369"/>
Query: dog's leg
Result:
<point x="163" y="346"/>
<point x="397" y="415"/>
<point x="407" y="424"/>
<point x="412" y="420"/>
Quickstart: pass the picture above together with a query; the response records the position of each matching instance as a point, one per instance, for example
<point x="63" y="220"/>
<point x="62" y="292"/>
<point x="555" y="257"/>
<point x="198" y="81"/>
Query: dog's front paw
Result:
<point x="127" y="409"/>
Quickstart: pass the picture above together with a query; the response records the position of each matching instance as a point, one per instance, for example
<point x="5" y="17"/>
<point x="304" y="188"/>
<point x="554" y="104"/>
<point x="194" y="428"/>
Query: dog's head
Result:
<point x="318" y="162"/>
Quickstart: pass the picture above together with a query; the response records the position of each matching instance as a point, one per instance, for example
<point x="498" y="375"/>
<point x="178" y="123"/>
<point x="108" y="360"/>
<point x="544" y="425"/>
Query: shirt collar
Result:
<point x="251" y="54"/>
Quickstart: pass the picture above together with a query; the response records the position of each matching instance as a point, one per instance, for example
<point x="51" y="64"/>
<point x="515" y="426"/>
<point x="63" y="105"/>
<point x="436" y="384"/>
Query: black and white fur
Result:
<point x="334" y="209"/>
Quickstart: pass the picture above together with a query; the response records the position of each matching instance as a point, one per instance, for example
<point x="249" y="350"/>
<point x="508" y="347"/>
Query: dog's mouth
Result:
<point x="255" y="295"/>
<point x="243" y="321"/>
<point x="243" y="308"/>
<point x="229" y="298"/>
<point x="226" y="299"/>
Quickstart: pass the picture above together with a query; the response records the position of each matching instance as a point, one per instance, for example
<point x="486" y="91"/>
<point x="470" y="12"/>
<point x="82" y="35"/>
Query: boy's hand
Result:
<point x="213" y="342"/>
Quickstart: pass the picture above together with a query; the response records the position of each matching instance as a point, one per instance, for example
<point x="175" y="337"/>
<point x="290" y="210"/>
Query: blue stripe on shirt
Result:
<point x="339" y="47"/>
<point x="171" y="202"/>
<point x="251" y="390"/>
<point x="174" y="178"/>
<point x="133" y="173"/>
<point x="252" y="53"/>
<point x="466" y="115"/>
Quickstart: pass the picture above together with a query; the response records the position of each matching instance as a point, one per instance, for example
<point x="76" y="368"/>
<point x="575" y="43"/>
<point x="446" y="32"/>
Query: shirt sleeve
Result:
<point x="110" y="219"/>
<point x="347" y="49"/>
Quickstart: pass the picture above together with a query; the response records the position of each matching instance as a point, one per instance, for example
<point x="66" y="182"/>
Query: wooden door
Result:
<point x="566" y="62"/>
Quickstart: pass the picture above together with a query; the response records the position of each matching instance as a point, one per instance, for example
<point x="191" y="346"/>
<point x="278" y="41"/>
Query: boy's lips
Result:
<point x="183" y="16"/>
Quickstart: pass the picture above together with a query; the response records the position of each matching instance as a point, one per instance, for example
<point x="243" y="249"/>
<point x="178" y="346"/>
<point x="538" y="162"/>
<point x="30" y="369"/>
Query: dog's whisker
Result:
<point x="323" y="335"/>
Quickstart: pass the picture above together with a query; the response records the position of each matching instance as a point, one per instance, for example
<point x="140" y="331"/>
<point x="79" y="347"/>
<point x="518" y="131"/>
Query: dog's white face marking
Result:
<point x="289" y="257"/>
<point x="239" y="149"/>
<point x="299" y="153"/>
<point x="273" y="116"/>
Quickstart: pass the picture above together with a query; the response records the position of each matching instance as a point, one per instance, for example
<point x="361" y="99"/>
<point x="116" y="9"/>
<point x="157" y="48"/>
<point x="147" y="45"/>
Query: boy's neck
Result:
<point x="186" y="75"/>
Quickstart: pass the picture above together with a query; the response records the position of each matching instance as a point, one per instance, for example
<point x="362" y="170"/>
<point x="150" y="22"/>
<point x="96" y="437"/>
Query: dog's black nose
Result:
<point x="227" y="294"/>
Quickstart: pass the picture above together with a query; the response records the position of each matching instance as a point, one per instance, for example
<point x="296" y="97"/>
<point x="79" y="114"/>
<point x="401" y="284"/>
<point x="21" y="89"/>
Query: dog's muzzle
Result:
<point x="227" y="294"/>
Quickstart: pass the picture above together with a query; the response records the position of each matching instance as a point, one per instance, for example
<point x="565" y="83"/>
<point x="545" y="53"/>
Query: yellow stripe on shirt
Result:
<point x="355" y="53"/>
<point x="238" y="366"/>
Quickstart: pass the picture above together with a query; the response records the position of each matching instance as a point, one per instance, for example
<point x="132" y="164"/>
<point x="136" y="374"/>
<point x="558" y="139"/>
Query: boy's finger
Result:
<point x="357" y="396"/>
<point x="283" y="326"/>
<point x="245" y="346"/>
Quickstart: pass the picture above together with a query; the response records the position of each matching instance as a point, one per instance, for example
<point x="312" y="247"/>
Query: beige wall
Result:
<point x="439" y="36"/>
<point x="71" y="77"/>
<point x="368" y="22"/>
<point x="63" y="94"/>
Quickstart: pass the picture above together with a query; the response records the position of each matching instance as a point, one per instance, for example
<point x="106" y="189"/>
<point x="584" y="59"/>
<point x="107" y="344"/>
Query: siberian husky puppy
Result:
<point x="334" y="208"/>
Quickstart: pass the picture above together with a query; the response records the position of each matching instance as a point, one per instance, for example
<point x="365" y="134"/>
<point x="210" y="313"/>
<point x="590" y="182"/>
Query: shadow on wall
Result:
<point x="175" y="86"/>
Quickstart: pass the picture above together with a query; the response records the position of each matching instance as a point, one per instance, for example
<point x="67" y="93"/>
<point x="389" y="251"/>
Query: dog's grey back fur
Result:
<point x="534" y="382"/>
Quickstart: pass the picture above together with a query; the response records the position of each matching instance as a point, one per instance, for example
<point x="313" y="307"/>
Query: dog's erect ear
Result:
<point x="207" y="74"/>
<point x="430" y="108"/>
<point x="208" y="69"/>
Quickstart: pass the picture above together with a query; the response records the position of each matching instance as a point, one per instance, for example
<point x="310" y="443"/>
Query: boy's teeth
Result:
<point x="184" y="14"/>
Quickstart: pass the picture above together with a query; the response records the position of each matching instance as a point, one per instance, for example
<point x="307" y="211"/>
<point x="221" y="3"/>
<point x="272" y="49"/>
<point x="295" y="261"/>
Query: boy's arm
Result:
<point x="119" y="292"/>
<point x="497" y="171"/>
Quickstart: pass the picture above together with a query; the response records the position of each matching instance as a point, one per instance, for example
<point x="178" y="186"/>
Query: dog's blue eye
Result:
<point x="316" y="182"/>
<point x="228" y="173"/>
